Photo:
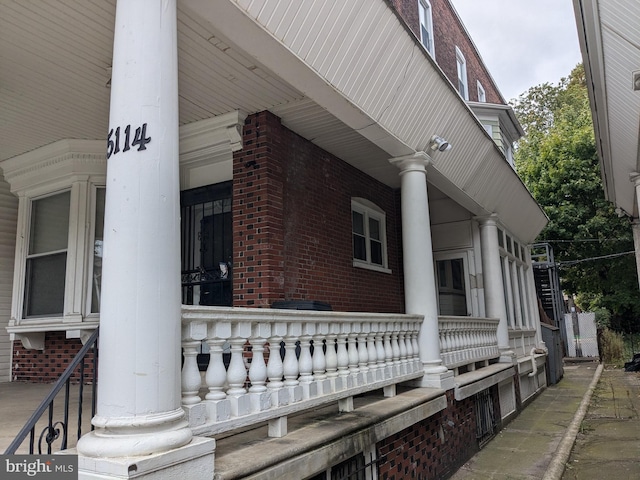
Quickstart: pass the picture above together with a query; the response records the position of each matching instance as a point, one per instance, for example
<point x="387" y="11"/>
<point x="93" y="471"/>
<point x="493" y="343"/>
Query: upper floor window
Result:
<point x="482" y="96"/>
<point x="462" y="74"/>
<point x="426" y="25"/>
<point x="369" y="235"/>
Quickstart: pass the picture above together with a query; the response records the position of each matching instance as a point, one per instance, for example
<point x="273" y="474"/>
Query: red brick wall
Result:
<point x="258" y="246"/>
<point x="435" y="447"/>
<point x="292" y="225"/>
<point x="449" y="33"/>
<point x="46" y="366"/>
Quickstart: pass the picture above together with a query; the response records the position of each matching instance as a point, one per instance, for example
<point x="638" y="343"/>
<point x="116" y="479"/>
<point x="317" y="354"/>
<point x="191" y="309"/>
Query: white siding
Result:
<point x="8" y="219"/>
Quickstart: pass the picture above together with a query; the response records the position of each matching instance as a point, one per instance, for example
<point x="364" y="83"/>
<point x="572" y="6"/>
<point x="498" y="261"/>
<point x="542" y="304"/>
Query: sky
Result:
<point x="524" y="43"/>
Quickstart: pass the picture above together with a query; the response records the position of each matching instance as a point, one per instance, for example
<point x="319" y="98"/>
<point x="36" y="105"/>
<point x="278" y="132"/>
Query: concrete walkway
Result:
<point x="587" y="423"/>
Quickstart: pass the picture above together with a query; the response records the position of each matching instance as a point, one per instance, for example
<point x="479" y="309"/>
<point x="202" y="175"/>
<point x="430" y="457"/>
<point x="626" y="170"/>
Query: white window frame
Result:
<point x="24" y="259"/>
<point x="77" y="166"/>
<point x="482" y="94"/>
<point x="515" y="271"/>
<point x="91" y="252"/>
<point x="426" y="22"/>
<point x="461" y="66"/>
<point x="370" y="210"/>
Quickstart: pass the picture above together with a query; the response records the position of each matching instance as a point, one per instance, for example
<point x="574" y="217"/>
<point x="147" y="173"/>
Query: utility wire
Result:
<point x="587" y="240"/>
<point x="574" y="262"/>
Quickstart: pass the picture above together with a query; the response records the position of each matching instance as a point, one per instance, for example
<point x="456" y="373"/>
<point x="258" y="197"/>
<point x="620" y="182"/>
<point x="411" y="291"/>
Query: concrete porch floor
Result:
<point x="18" y="400"/>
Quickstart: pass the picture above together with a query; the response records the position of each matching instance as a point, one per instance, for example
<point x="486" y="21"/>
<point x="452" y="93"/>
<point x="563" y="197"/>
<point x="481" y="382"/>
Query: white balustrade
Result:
<point x="467" y="340"/>
<point x="327" y="357"/>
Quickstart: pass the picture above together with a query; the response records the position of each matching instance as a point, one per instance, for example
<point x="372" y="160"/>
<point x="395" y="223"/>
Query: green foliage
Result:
<point x="611" y="346"/>
<point x="557" y="160"/>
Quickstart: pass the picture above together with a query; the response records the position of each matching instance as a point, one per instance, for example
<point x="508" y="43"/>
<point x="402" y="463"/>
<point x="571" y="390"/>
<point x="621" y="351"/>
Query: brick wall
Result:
<point x="435" y="447"/>
<point x="46" y="366"/>
<point x="292" y="225"/>
<point x="448" y="33"/>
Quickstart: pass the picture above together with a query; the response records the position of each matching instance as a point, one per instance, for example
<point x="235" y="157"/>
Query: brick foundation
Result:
<point x="436" y="447"/>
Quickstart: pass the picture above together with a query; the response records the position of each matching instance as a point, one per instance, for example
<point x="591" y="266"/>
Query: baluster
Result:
<point x="372" y="355"/>
<point x="236" y="373"/>
<point x="331" y="355"/>
<point x="352" y="348"/>
<point x="379" y="348"/>
<point x="258" y="368"/>
<point x="216" y="374"/>
<point x="305" y="363"/>
<point x="275" y="369"/>
<point x="343" y="355"/>
<point x="319" y="357"/>
<point x="190" y="373"/>
<point x="402" y="347"/>
<point x="290" y="362"/>
<point x="395" y="347"/>
<point x="416" y="346"/>
<point x="388" y="349"/>
<point x="408" y="346"/>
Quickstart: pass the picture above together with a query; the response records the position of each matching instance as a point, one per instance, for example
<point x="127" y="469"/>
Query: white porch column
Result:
<point x="635" y="225"/>
<point x="492" y="279"/>
<point x="419" y="275"/>
<point x="139" y="410"/>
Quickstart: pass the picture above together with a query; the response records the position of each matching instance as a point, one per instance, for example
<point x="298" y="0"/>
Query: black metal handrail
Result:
<point x="51" y="432"/>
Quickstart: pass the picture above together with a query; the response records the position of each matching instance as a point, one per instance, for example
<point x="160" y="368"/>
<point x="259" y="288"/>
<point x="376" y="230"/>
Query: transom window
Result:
<point x="369" y="235"/>
<point x="426" y="25"/>
<point x="462" y="74"/>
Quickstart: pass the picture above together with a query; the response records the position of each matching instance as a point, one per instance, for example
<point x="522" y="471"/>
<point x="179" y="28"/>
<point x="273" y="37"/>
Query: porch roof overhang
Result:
<point x="610" y="42"/>
<point x="349" y="76"/>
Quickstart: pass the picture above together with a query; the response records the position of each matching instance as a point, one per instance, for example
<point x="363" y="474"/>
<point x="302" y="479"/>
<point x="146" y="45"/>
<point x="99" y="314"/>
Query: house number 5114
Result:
<point x="139" y="140"/>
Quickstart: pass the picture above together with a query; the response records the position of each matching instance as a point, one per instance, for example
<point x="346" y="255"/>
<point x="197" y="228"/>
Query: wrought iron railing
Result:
<point x="59" y="430"/>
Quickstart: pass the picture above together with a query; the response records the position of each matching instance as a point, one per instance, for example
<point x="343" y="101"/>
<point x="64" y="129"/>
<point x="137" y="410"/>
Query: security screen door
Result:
<point x="206" y="226"/>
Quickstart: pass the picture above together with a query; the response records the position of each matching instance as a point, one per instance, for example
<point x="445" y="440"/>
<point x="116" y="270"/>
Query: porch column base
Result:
<point x="444" y="380"/>
<point x="193" y="461"/>
<point x="507" y="355"/>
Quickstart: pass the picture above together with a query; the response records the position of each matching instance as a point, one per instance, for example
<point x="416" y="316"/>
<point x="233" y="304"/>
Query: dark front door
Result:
<point x="206" y="225"/>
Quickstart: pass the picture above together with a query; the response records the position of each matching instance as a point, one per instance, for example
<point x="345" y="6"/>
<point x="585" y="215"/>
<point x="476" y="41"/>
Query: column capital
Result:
<point x="415" y="162"/>
<point x="487" y="220"/>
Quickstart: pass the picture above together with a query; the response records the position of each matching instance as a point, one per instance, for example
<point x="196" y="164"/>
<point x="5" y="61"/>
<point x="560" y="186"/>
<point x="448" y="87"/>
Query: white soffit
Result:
<point x="609" y="33"/>
<point x="356" y="60"/>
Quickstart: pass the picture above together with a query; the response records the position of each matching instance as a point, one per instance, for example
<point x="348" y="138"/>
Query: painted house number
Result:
<point x="140" y="139"/>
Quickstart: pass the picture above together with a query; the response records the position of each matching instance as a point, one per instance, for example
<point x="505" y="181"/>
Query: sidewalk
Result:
<point x="608" y="444"/>
<point x="533" y="444"/>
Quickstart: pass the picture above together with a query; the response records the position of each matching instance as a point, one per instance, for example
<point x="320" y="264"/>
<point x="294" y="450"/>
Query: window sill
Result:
<point x="369" y="266"/>
<point x="31" y="331"/>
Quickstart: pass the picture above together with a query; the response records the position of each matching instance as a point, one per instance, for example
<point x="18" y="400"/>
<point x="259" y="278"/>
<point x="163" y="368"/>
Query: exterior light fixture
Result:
<point x="636" y="81"/>
<point x="439" y="144"/>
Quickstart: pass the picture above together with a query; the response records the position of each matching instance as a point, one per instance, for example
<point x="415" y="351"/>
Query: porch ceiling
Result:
<point x="610" y="42"/>
<point x="55" y="57"/>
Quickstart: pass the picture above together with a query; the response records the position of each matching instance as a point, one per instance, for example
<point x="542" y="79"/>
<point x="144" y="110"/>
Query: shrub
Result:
<point x="611" y="346"/>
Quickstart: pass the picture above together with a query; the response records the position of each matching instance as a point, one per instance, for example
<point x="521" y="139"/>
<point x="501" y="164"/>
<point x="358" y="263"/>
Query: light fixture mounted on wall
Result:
<point x="439" y="144"/>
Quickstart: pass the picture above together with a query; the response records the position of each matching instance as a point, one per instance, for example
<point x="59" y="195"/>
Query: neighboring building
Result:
<point x="351" y="156"/>
<point x="610" y="44"/>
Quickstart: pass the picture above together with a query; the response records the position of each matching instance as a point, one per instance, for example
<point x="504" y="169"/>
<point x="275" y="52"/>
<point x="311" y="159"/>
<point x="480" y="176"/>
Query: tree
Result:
<point x="558" y="162"/>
